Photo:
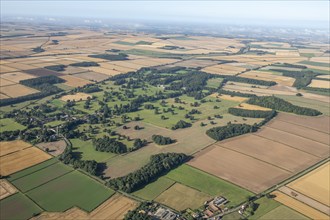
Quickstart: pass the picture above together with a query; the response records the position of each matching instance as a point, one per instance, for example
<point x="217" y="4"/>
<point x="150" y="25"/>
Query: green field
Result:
<point x="18" y="206"/>
<point x="88" y="152"/>
<point x="32" y="169"/>
<point x="154" y="189"/>
<point x="40" y="177"/>
<point x="283" y="212"/>
<point x="314" y="63"/>
<point x="214" y="83"/>
<point x="72" y="189"/>
<point x="209" y="184"/>
<point x="265" y="205"/>
<point x="8" y="124"/>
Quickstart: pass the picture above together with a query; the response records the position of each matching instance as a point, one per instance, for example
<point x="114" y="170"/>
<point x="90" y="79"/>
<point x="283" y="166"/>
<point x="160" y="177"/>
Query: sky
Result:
<point x="235" y="11"/>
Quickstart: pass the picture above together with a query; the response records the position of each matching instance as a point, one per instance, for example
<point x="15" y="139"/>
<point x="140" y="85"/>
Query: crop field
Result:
<point x="8" y="147"/>
<point x="257" y="152"/>
<point x="42" y="72"/>
<point x="224" y="69"/>
<point x="320" y="84"/>
<point x="315" y="184"/>
<point x="75" y="81"/>
<point x="6" y="189"/>
<point x="16" y="76"/>
<point x="92" y="76"/>
<point x="283" y="80"/>
<point x="283" y="212"/>
<point x="55" y="148"/>
<point x="299" y="206"/>
<point x="181" y="197"/>
<point x="17" y="90"/>
<point x="229" y="98"/>
<point x="22" y="159"/>
<point x="72" y="189"/>
<point x="18" y="201"/>
<point x="5" y="82"/>
<point x="252" y="107"/>
<point x="76" y="97"/>
<point x="40" y="177"/>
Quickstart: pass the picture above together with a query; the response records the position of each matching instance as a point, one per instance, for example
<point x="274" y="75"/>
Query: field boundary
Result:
<point x="290" y="122"/>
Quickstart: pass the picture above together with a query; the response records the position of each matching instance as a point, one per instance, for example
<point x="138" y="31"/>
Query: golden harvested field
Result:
<point x="73" y="213"/>
<point x="22" y="159"/>
<point x="7" y="69"/>
<point x="230" y="98"/>
<point x="315" y="184"/>
<point x="5" y="82"/>
<point x="20" y="66"/>
<point x="323" y="76"/>
<point x="289" y="53"/>
<point x="116" y="67"/>
<point x="320" y="84"/>
<point x="7" y="147"/>
<point x="17" y="76"/>
<point x="76" y="97"/>
<point x="17" y="90"/>
<point x="252" y="107"/>
<point x="318" y="67"/>
<point x="224" y="69"/>
<point x="181" y="197"/>
<point x="3" y="96"/>
<point x="102" y="70"/>
<point x="299" y="206"/>
<point x="6" y="189"/>
<point x="75" y="81"/>
<point x="92" y="76"/>
<point x="283" y="80"/>
<point x="320" y="59"/>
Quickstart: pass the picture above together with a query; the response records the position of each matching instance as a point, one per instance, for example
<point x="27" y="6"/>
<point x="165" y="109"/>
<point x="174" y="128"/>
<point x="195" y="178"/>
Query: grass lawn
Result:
<point x="18" y="206"/>
<point x="55" y="123"/>
<point x="8" y="124"/>
<point x="40" y="177"/>
<point x="72" y="189"/>
<point x="32" y="169"/>
<point x="265" y="206"/>
<point x="283" y="212"/>
<point x="209" y="184"/>
<point x="87" y="151"/>
<point x="154" y="189"/>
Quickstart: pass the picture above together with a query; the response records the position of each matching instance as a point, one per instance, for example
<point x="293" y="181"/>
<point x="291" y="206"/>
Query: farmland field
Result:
<point x="72" y="189"/>
<point x="152" y="190"/>
<point x="6" y="189"/>
<point x="8" y="124"/>
<point x="180" y="197"/>
<point x="320" y="84"/>
<point x="8" y="147"/>
<point x="283" y="212"/>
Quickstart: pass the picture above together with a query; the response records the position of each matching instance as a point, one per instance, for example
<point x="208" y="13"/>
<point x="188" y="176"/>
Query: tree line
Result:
<point x="230" y="130"/>
<point x="161" y="140"/>
<point x="249" y="113"/>
<point x="107" y="144"/>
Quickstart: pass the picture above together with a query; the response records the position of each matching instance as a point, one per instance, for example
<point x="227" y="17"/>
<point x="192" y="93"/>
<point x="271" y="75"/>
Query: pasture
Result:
<point x="76" y="97"/>
<point x="181" y="197"/>
<point x="72" y="189"/>
<point x="154" y="189"/>
<point x="8" y="124"/>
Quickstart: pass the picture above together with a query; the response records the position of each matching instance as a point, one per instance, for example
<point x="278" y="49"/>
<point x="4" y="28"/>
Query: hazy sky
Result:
<point x="211" y="11"/>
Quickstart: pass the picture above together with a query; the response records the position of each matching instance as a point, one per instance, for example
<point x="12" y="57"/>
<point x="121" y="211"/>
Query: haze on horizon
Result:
<point x="287" y="13"/>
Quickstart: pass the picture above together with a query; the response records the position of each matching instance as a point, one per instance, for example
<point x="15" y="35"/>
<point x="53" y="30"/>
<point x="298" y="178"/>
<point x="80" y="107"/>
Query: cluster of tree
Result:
<point x="158" y="165"/>
<point x="233" y="93"/>
<point x="140" y="213"/>
<point x="67" y="157"/>
<point x="282" y="105"/>
<point x="36" y="82"/>
<point x="112" y="57"/>
<point x="289" y="65"/>
<point x="161" y="140"/>
<point x="181" y="124"/>
<point x="57" y="68"/>
<point x="323" y="91"/>
<point x="38" y="49"/>
<point x="230" y="130"/>
<point x="113" y="50"/>
<point x="170" y="47"/>
<point x="247" y="80"/>
<point x="249" y="113"/>
<point x="85" y="64"/>
<point x="9" y="135"/>
<point x="138" y="143"/>
<point x="90" y="88"/>
<point x="303" y="78"/>
<point x="107" y="144"/>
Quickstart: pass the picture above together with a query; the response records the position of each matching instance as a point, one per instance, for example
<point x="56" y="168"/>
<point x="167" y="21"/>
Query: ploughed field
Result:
<point x="282" y="148"/>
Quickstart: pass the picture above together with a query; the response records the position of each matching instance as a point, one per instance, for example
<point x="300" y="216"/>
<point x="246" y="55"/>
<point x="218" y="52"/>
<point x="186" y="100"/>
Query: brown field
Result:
<point x="5" y="82"/>
<point x="118" y="68"/>
<point x="17" y="90"/>
<point x="20" y="66"/>
<point x="101" y="70"/>
<point x="8" y="147"/>
<point x="249" y="173"/>
<point x="73" y="70"/>
<point x="320" y="59"/>
<point x="277" y="154"/>
<point x="315" y="184"/>
<point x="3" y="96"/>
<point x="252" y="107"/>
<point x="22" y="159"/>
<point x="16" y="76"/>
<point x="6" y="189"/>
<point x="290" y="53"/>
<point x="43" y="72"/>
<point x="283" y="80"/>
<point x="299" y="206"/>
<point x="224" y="69"/>
<point x="76" y="97"/>
<point x="323" y="76"/>
<point x="114" y="208"/>
<point x="181" y="197"/>
<point x="7" y="69"/>
<point x="92" y="76"/>
<point x="55" y="148"/>
<point x="320" y="84"/>
<point x="75" y="81"/>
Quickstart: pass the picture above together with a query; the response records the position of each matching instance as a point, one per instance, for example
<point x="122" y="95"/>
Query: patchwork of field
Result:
<point x="283" y="80"/>
<point x="277" y="151"/>
<point x="6" y="189"/>
<point x="76" y="97"/>
<point x="283" y="212"/>
<point x="17" y="90"/>
<point x="19" y="157"/>
<point x="224" y="69"/>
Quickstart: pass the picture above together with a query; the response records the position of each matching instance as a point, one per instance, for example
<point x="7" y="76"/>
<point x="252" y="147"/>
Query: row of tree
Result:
<point x="158" y="165"/>
<point x="250" y="113"/>
<point x="107" y="144"/>
<point x="230" y="130"/>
